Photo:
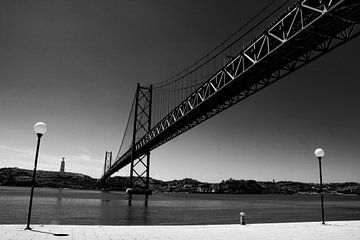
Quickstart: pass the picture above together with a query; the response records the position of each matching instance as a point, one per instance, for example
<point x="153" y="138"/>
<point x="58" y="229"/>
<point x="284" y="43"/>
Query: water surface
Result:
<point x="68" y="206"/>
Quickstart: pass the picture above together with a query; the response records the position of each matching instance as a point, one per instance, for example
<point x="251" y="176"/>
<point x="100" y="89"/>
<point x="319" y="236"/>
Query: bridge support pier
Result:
<point x="139" y="179"/>
<point x="105" y="184"/>
<point x="140" y="166"/>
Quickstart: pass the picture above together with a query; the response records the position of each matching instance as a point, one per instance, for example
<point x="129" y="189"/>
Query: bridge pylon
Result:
<point x="140" y="166"/>
<point x="105" y="182"/>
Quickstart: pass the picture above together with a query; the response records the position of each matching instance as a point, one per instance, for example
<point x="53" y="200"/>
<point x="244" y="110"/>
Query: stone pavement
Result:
<point x="339" y="230"/>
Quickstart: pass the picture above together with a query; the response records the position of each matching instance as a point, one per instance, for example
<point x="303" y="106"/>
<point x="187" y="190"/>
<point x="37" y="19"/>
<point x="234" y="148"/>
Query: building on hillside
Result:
<point x="204" y="188"/>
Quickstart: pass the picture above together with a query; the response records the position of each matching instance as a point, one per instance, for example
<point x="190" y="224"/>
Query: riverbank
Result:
<point x="345" y="230"/>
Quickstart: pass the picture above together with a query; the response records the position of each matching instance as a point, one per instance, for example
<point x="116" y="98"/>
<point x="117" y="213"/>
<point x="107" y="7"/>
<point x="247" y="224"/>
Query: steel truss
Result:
<point x="140" y="165"/>
<point x="310" y="29"/>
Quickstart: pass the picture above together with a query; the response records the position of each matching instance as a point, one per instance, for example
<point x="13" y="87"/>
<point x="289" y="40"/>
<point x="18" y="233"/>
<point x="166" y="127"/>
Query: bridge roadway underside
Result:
<point x="309" y="44"/>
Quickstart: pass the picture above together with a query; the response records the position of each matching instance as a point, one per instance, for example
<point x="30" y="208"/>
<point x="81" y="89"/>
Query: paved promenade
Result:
<point x="340" y="230"/>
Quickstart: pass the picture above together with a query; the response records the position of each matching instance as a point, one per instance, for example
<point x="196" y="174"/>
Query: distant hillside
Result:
<point x="23" y="177"/>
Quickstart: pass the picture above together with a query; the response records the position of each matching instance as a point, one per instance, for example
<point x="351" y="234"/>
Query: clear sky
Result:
<point x="75" y="65"/>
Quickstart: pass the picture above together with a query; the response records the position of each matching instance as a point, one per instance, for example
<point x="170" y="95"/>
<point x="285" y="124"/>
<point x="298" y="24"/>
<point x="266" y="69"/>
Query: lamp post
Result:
<point x="319" y="153"/>
<point x="40" y="129"/>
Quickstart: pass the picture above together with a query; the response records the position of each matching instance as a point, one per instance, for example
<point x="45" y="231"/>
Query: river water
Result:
<point x="69" y="206"/>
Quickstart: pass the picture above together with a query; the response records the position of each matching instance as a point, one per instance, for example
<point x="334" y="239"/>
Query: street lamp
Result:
<point x="40" y="129"/>
<point x="319" y="153"/>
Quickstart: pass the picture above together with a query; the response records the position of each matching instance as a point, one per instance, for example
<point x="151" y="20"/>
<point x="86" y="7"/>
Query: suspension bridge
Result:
<point x="231" y="72"/>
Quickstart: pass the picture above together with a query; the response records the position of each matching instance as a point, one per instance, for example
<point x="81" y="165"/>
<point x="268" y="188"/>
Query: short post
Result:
<point x="242" y="218"/>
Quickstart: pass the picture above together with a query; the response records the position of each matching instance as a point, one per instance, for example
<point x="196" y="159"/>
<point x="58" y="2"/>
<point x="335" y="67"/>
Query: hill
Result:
<point x="23" y="177"/>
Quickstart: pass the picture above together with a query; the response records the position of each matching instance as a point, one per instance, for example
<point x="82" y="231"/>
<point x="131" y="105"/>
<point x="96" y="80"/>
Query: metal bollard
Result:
<point x="242" y="218"/>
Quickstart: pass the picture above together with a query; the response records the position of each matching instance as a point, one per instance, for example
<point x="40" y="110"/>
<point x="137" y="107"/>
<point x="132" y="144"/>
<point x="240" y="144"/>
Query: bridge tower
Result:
<point x="140" y="166"/>
<point x="107" y="164"/>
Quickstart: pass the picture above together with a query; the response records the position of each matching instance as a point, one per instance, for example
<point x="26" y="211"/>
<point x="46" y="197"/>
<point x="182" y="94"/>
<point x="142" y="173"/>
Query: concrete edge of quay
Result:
<point x="294" y="230"/>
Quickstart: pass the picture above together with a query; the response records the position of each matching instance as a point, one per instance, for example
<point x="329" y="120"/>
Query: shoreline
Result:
<point x="195" y="193"/>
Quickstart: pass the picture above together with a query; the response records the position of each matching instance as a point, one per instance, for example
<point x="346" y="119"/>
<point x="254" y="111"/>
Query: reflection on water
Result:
<point x="58" y="206"/>
<point x="67" y="206"/>
<point x="138" y="214"/>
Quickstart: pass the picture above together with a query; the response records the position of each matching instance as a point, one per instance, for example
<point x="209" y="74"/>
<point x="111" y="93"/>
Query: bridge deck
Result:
<point x="301" y="35"/>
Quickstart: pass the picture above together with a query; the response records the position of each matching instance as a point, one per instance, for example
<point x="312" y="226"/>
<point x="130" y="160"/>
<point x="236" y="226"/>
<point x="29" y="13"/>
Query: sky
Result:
<point x="75" y="65"/>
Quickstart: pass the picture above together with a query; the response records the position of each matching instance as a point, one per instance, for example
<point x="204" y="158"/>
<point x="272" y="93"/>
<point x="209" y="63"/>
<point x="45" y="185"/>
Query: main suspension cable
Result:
<point x="175" y="78"/>
<point x="127" y="125"/>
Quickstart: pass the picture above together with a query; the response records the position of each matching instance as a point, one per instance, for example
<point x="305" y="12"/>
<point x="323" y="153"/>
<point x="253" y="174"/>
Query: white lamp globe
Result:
<point x="319" y="152"/>
<point x="40" y="128"/>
